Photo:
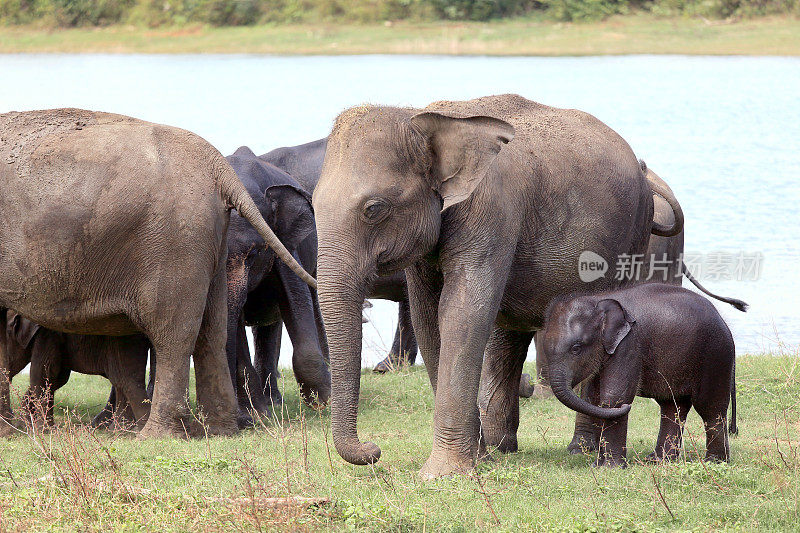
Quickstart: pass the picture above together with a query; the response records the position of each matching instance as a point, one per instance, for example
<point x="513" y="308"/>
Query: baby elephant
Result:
<point x="652" y="340"/>
<point x="53" y="355"/>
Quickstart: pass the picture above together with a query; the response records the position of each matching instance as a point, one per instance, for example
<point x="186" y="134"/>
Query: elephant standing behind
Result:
<point x="487" y="205"/>
<point x="304" y="163"/>
<point x="53" y="355"/>
<point x="266" y="294"/>
<point x="117" y="226"/>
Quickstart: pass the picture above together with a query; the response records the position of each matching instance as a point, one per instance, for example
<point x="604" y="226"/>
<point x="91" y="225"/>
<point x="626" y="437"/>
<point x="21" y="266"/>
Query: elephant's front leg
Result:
<point x="424" y="291"/>
<point x="267" y="343"/>
<point x="467" y="311"/>
<point x="584" y="439"/>
<point x="500" y="385"/>
<point x="249" y="387"/>
<point x="404" y="347"/>
<point x="310" y="366"/>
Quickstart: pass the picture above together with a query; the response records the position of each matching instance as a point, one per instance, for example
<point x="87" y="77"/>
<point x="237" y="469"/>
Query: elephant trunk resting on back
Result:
<point x="116" y="226"/>
<point x="474" y="201"/>
<point x="304" y="163"/>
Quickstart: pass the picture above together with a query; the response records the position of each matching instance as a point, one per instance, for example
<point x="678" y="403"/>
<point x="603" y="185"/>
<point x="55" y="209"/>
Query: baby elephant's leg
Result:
<point x="716" y="423"/>
<point x="670" y="434"/>
<point x="614" y="391"/>
<point x="613" y="437"/>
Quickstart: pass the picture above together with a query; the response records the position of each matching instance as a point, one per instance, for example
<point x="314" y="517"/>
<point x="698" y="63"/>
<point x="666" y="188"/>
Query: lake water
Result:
<point x="723" y="131"/>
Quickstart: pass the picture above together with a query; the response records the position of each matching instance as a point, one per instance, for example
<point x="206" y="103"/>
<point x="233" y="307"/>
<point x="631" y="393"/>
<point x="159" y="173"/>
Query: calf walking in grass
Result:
<point x="652" y="340"/>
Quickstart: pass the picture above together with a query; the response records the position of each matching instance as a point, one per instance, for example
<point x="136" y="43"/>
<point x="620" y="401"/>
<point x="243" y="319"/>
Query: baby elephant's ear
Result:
<point x="20" y="329"/>
<point x="617" y="323"/>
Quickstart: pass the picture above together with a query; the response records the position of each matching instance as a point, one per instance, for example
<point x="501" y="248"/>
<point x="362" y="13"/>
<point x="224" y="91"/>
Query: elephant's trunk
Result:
<point x="561" y="384"/>
<point x="660" y="229"/>
<point x="341" y="294"/>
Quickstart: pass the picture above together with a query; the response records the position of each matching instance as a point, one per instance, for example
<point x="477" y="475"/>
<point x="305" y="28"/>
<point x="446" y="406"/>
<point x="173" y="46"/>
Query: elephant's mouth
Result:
<point x="387" y="267"/>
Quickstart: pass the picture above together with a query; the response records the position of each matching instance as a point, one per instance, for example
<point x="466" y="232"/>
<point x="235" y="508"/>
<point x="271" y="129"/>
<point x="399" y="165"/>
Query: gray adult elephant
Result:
<point x="116" y="226"/>
<point x="304" y="163"/>
<point x="487" y="205"/>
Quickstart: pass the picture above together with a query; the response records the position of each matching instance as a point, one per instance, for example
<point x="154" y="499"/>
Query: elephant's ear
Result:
<point x="463" y="149"/>
<point x="293" y="214"/>
<point x="20" y="329"/>
<point x="617" y="323"/>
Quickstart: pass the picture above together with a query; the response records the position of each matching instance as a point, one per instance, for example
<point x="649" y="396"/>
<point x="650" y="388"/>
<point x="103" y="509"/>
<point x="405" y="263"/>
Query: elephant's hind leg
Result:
<point x="172" y="338"/>
<point x="169" y="412"/>
<point x="500" y="379"/>
<point x="670" y="434"/>
<point x="215" y="393"/>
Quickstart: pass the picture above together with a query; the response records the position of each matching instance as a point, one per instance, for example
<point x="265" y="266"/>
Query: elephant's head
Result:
<point x="388" y="175"/>
<point x="580" y="336"/>
<point x="285" y="207"/>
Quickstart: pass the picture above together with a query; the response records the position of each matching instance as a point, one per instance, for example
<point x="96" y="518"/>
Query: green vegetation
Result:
<point x="153" y="13"/>
<point x="77" y="479"/>
<point x="639" y="34"/>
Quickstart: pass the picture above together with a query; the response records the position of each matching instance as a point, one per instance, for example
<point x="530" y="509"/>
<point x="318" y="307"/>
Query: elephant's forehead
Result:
<point x="574" y="318"/>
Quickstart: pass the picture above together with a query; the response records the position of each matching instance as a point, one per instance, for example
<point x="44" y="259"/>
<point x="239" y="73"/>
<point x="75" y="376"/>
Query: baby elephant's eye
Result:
<point x="375" y="210"/>
<point x="576" y="348"/>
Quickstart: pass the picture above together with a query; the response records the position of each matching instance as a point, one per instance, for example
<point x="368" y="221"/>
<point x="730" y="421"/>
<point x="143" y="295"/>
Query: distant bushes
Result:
<point x="71" y="13"/>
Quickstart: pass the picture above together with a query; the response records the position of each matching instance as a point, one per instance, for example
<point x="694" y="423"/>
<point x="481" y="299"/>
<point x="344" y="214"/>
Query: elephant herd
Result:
<point x="123" y="238"/>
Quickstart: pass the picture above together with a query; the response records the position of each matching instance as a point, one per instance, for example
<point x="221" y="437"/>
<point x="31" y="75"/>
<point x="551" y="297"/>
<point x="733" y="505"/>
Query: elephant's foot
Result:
<point x="8" y="427"/>
<point x="180" y="427"/>
<point x="655" y="458"/>
<point x="393" y="362"/>
<point x="390" y="363"/>
<point x="220" y="427"/>
<point x="104" y="419"/>
<point x="500" y="439"/>
<point x="442" y="464"/>
<point x="315" y="397"/>
<point x="582" y="444"/>
<point x="542" y="391"/>
<point x="611" y="461"/>
<point x="244" y="420"/>
<point x="526" y="386"/>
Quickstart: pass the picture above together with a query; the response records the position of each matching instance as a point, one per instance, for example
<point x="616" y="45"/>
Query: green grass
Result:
<point x="76" y="479"/>
<point x="634" y="34"/>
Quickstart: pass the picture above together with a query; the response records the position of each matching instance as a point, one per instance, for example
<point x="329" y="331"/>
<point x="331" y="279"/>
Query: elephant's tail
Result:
<point x="236" y="196"/>
<point x="733" y="429"/>
<point x="738" y="304"/>
<point x="658" y="188"/>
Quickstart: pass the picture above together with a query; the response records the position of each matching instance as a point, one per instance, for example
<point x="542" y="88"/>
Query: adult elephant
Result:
<point x="266" y="294"/>
<point x="304" y="163"/>
<point x="117" y="226"/>
<point x="487" y="205"/>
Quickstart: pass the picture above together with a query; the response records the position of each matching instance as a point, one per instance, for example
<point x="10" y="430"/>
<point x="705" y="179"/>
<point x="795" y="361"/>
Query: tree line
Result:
<point x="154" y="13"/>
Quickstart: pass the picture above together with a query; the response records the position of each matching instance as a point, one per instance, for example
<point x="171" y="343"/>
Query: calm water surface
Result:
<point x="723" y="131"/>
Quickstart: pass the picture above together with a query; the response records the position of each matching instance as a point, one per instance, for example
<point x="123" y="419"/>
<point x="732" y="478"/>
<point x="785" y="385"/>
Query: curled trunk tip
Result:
<point x="567" y="396"/>
<point x="358" y="453"/>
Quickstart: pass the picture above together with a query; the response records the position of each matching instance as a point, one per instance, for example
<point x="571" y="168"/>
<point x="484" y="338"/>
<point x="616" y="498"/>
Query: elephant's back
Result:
<point x="98" y="206"/>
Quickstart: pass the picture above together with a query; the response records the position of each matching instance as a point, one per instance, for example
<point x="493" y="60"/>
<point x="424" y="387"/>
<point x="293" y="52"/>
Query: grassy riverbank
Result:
<point x="77" y="479"/>
<point x="635" y="34"/>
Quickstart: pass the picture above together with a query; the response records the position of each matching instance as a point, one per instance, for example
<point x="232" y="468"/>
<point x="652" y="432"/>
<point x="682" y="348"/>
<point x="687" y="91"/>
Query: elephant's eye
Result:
<point x="375" y="210"/>
<point x="576" y="348"/>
